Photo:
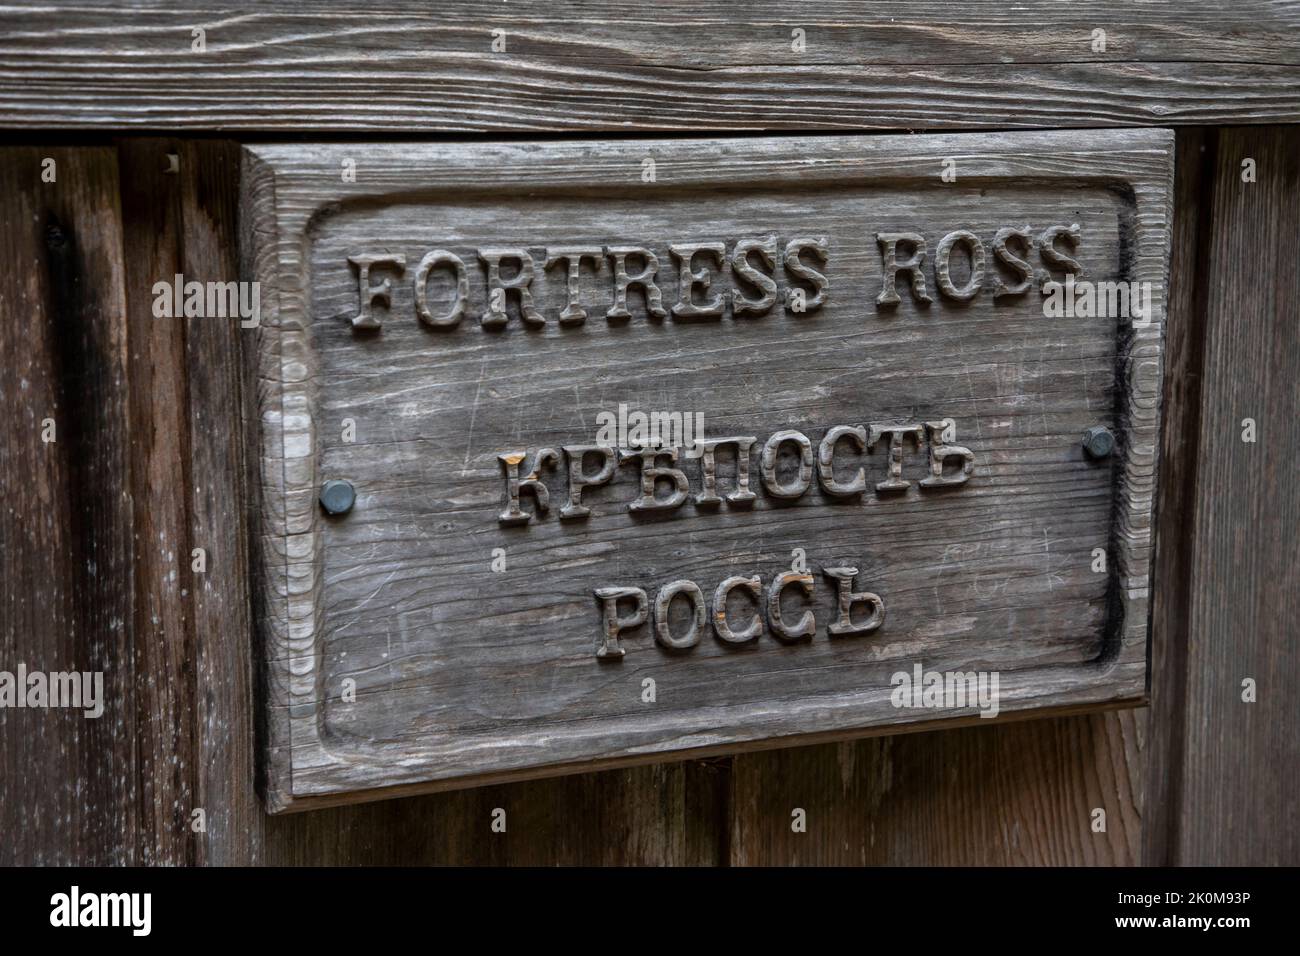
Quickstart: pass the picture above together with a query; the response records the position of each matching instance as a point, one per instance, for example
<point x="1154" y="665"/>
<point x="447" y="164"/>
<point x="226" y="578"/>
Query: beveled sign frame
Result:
<point x="287" y="187"/>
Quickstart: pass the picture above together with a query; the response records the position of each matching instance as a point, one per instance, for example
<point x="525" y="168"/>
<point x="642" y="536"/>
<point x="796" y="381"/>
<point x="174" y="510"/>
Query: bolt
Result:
<point x="337" y="496"/>
<point x="1098" y="442"/>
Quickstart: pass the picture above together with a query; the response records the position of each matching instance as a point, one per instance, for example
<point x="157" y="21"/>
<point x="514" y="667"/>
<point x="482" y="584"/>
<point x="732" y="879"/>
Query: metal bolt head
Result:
<point x="337" y="496"/>
<point x="1098" y="442"/>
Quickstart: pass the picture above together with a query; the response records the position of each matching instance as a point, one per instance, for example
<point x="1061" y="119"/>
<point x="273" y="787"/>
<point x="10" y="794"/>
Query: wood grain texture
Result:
<point x="324" y="575"/>
<point x="1163" y="722"/>
<point x="163" y="632"/>
<point x="149" y="432"/>
<point x="1239" y="767"/>
<point x="178" y="209"/>
<point x="662" y="815"/>
<point x="69" y="783"/>
<point x="1021" y="794"/>
<point x="399" y="66"/>
<point x="973" y="796"/>
<point x="200" y="704"/>
<point x="215" y="367"/>
<point x="71" y="790"/>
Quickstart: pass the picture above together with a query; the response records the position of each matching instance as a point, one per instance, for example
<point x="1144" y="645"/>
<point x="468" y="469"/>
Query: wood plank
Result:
<point x="401" y="67"/>
<point x="399" y="599"/>
<point x="1163" y="723"/>
<point x="664" y="815"/>
<point x="1013" y="795"/>
<point x="1240" y="763"/>
<point x="215" y="368"/>
<point x="163" y="631"/>
<point x="69" y="784"/>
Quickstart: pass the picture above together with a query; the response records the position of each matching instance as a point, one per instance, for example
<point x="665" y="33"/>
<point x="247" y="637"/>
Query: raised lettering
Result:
<point x="689" y="281"/>
<point x="610" y="646"/>
<point x="897" y="434"/>
<point x="652" y="473"/>
<point x="755" y="587"/>
<point x="943" y="270"/>
<point x="941" y="453"/>
<point x="1005" y="256"/>
<point x="768" y="464"/>
<point x="796" y="267"/>
<point x="844" y="626"/>
<point x="762" y="281"/>
<point x="365" y="319"/>
<point x="806" y="626"/>
<point x="699" y="619"/>
<point x="890" y="266"/>
<point x="826" y="461"/>
<point x="740" y="494"/>
<point x="451" y="319"/>
<point x="520" y="283"/>
<point x="1054" y="257"/>
<point x="573" y="312"/>
<point x="510" y="463"/>
<point x="645" y="279"/>
<point x="574" y="456"/>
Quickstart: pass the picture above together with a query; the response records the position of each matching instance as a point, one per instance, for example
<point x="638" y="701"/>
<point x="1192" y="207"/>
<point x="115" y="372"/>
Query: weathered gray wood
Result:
<point x="1023" y="793"/>
<point x="1238" y="763"/>
<point x="464" y="675"/>
<point x="1162" y="724"/>
<point x="1019" y="788"/>
<point x="402" y="66"/>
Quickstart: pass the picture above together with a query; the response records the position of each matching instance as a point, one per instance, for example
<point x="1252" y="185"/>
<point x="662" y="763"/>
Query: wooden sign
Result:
<point x="576" y="455"/>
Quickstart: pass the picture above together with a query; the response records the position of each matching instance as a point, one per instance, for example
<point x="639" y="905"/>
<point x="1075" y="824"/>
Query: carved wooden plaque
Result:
<point x="582" y="454"/>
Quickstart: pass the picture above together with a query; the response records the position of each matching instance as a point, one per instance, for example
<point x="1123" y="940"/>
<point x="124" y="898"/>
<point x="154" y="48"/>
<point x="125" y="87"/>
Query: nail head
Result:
<point x="1098" y="442"/>
<point x="337" y="496"/>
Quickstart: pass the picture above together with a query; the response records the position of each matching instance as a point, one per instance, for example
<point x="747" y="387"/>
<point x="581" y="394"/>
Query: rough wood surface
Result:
<point x="401" y="66"/>
<point x="69" y="783"/>
<point x="662" y="815"/>
<point x="72" y="792"/>
<point x="1239" y="768"/>
<point x="966" y="797"/>
<point x="1163" y="722"/>
<point x="193" y="680"/>
<point x="1023" y="794"/>
<point x="218" y="467"/>
<point x="181" y="701"/>
<point x="463" y="674"/>
<point x="163" y="632"/>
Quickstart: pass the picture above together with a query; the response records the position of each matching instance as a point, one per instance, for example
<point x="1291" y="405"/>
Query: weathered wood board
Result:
<point x="441" y="633"/>
<point x="398" y="66"/>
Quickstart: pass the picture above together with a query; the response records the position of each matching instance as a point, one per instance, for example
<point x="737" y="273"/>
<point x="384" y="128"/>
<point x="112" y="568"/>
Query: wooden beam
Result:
<point x="69" y="779"/>
<point x="163" y="628"/>
<point x="399" y="66"/>
<point x="1189" y="277"/>
<point x="1238" y="767"/>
